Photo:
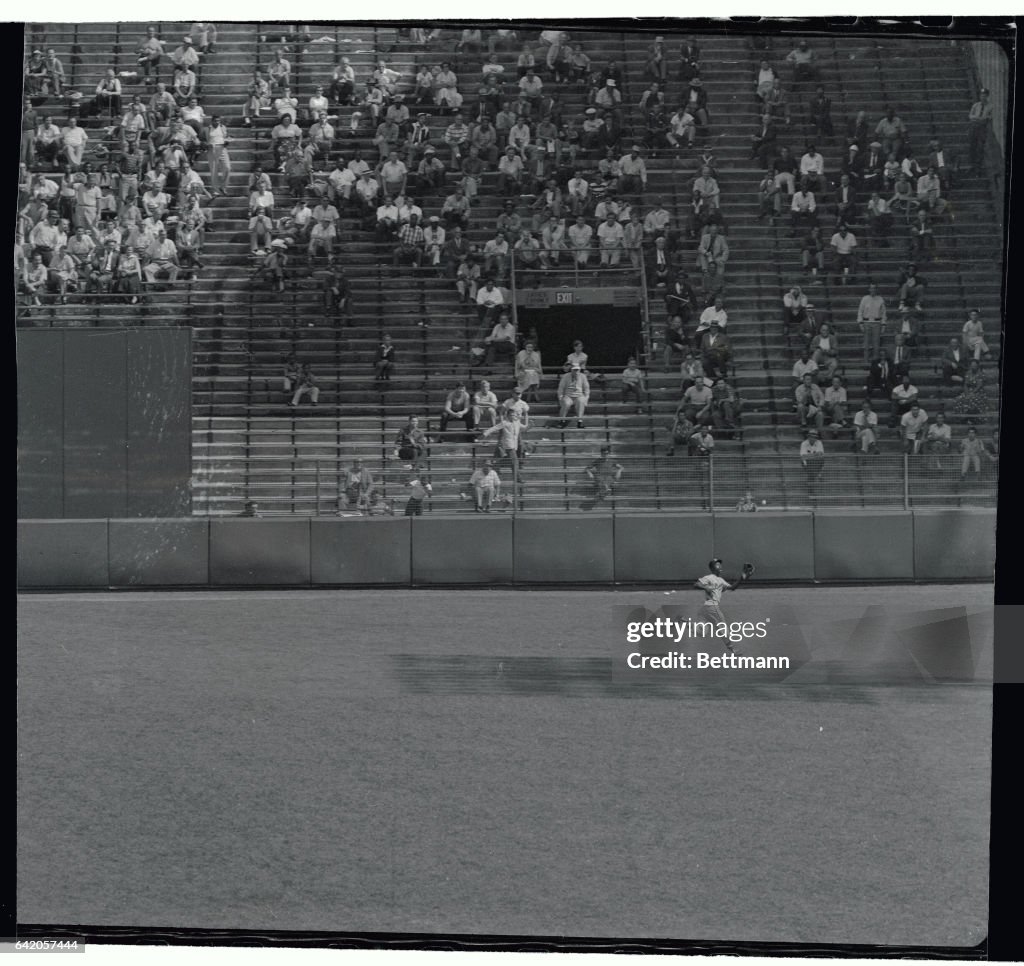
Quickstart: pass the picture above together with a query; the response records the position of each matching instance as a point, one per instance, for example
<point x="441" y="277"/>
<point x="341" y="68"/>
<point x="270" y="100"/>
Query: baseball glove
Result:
<point x="748" y="570"/>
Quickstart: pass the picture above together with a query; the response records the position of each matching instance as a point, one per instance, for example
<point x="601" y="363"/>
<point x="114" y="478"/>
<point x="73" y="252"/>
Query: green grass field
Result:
<point x="456" y="762"/>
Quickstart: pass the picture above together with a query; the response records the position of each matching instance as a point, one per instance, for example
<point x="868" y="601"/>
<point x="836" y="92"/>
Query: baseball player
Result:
<point x="714" y="585"/>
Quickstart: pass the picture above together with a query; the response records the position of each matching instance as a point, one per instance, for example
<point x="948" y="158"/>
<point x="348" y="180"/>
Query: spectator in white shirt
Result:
<point x="610" y="238"/>
<point x="844" y="245"/>
<point x="812" y="170"/>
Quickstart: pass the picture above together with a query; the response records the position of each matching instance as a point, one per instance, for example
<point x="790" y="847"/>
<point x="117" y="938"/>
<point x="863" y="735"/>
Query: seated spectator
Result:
<point x="713" y="313"/>
<point x="972" y="449"/>
<point x="321" y="238"/>
<point x="162" y="259"/>
<point x="879" y="219"/>
<point x="257" y="97"/>
<point x="954" y="363"/>
<point x="485" y="403"/>
<point x="510" y="173"/>
<point x="845" y="201"/>
<point x="486" y="486"/>
<point x="108" y="94"/>
<point x="384" y="360"/>
<point x="973" y="337"/>
<point x="903" y="396"/>
<point x="834" y="405"/>
<point x="901" y="356"/>
<point x="552" y="242"/>
<point x="810" y="403"/>
<point x="489" y="300"/>
<point x="763" y="144"/>
<point x="501" y="343"/>
<point x="682" y="128"/>
<point x="812" y="455"/>
<point x="103" y="265"/>
<point x="457" y="405"/>
<point x="775" y="103"/>
<point x="701" y="442"/>
<point x="184" y="84"/>
<point x="803" y="366"/>
<point x="881" y="375"/>
<point x="150" y="51"/>
<point x="716" y="350"/>
<point x="802" y="59"/>
<point x="725" y="406"/>
<point x="455" y="210"/>
<point x="633" y="384"/>
<point x="844" y="248"/>
<point x="411" y="243"/>
<point x="189" y="242"/>
<point x="865" y="429"/>
<point x="922" y="237"/>
<point x="785" y="168"/>
<point x="285" y="138"/>
<point x="912" y="424"/>
<point x="274" y="264"/>
<point x="939" y="438"/>
<point x="712" y="257"/>
<point x="573" y="393"/>
<point x="821" y="114"/>
<point x="812" y="170"/>
<point x="803" y="208"/>
<point x="691" y="371"/>
<point x="973" y="398"/>
<point x="610" y="240"/>
<point x="903" y="198"/>
<point x="891" y="132"/>
<point x="62" y="274"/>
<point x="129" y="273"/>
<point x="661" y="267"/>
<point x="770" y="198"/>
<point x="825" y="351"/>
<point x="765" y="79"/>
<point x="794" y="315"/>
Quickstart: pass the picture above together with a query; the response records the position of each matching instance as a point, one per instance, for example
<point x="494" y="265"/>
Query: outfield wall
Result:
<point x="500" y="549"/>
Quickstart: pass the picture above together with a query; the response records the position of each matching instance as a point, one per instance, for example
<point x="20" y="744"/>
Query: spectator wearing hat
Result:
<point x="274" y="264"/>
<point x="633" y="180"/>
<point x="812" y="455"/>
<point x="486" y="486"/>
<point x="321" y="238"/>
<point x="593" y="134"/>
<point x="802" y="59"/>
<point x="716" y="350"/>
<point x="108" y="94"/>
<point x="695" y="101"/>
<point x="163" y="261"/>
<point x="852" y="165"/>
<point x="873" y="168"/>
<point x="573" y="393"/>
<point x="810" y="402"/>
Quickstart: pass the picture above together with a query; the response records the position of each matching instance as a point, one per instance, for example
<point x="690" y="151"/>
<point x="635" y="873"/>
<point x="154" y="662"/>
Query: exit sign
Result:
<point x="564" y="298"/>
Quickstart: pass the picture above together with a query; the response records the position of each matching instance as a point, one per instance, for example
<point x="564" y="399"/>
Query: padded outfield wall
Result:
<point x="501" y="550"/>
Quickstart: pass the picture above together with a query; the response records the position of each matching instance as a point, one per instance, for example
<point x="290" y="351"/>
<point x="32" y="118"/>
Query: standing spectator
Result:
<point x="979" y="123"/>
<point x="217" y="140"/>
<point x="457" y="405"/>
<point x="810" y="403"/>
<point x="871" y="318"/>
<point x="573" y="391"/>
<point x="507" y="448"/>
<point x="419" y="490"/>
<point x="865" y="428"/>
<point x="356" y="488"/>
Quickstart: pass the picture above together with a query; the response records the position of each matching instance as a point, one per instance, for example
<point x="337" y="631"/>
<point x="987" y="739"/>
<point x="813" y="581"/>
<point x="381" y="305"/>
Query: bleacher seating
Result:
<point x="248" y="444"/>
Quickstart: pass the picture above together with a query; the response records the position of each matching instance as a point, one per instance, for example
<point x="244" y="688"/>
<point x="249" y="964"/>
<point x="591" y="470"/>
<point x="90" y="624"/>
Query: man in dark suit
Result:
<point x="716" y="350"/>
<point x="689" y="61"/>
<point x="881" y="376"/>
<point x="845" y="201"/>
<point x="821" y="114"/>
<point x="103" y="266"/>
<point x="661" y="268"/>
<point x="901" y="356"/>
<point x="953" y="364"/>
<point x="874" y="165"/>
<point x="853" y="165"/>
<point x="943" y="161"/>
<point x="680" y="299"/>
<point x="763" y="142"/>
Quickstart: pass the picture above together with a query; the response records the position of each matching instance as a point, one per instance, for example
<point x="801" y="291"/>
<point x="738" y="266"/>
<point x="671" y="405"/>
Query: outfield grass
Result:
<point x="415" y="761"/>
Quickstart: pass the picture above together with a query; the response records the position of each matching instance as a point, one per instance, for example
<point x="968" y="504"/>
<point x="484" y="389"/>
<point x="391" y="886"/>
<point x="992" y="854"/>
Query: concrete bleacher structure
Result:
<point x="248" y="445"/>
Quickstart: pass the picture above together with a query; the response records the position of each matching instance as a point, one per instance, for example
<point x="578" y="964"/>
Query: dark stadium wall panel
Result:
<point x="780" y="544"/>
<point x="471" y="550"/>
<point x="62" y="553"/>
<point x="849" y="545"/>
<point x="104" y="427"/>
<point x="40" y="355"/>
<point x="376" y="551"/>
<point x="951" y="544"/>
<point x="155" y="553"/>
<point x="95" y="423"/>
<point x="260" y="552"/>
<point x="159" y="429"/>
<point x="659" y="547"/>
<point x="564" y="549"/>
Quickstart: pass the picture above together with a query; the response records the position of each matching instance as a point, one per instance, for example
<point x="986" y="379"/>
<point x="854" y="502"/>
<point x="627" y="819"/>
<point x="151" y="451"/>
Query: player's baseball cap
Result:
<point x="714" y="562"/>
